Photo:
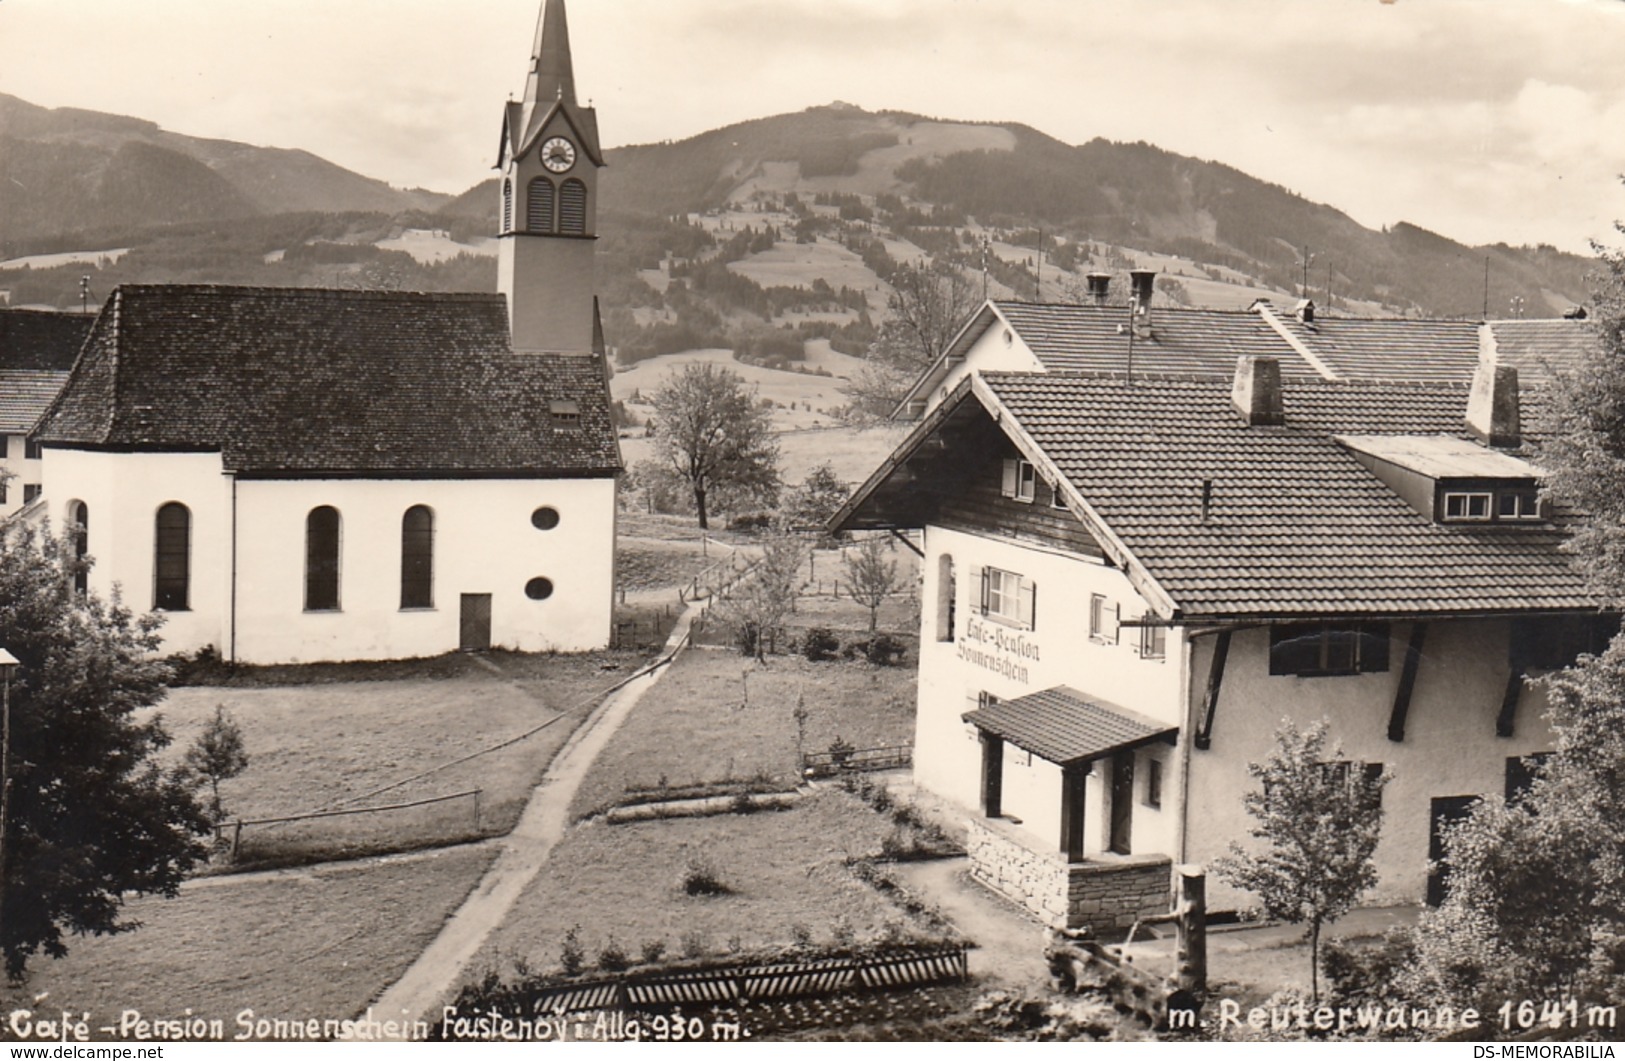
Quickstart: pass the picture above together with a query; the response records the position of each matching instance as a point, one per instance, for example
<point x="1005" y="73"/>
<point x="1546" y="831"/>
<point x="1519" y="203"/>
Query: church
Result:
<point x="297" y="475"/>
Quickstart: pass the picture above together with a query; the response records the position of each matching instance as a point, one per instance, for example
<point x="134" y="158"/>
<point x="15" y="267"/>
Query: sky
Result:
<point x="1482" y="120"/>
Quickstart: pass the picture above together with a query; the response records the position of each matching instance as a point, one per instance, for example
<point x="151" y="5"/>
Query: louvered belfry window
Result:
<point x="507" y="206"/>
<point x="573" y="208"/>
<point x="539" y="206"/>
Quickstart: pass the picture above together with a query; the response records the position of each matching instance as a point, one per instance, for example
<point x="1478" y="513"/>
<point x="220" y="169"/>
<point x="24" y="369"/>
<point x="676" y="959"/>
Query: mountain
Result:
<point x="68" y="170"/>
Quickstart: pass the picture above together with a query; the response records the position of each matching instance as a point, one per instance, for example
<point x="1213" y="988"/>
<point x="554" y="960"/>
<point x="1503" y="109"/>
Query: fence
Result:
<point x="826" y="764"/>
<point x="724" y="985"/>
<point x="236" y="827"/>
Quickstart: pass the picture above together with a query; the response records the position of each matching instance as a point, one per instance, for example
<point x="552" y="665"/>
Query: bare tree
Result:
<point x="928" y="305"/>
<point x="759" y="604"/>
<point x="712" y="433"/>
<point x="870" y="577"/>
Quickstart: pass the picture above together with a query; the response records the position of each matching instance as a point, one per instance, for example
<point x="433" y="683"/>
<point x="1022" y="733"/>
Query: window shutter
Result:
<point x="982" y="608"/>
<point x="1029" y="604"/>
<point x="1009" y="487"/>
<point x="1114" y="632"/>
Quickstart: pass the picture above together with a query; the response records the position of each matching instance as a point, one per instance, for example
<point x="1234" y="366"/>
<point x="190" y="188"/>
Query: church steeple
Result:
<point x="551" y="74"/>
<point x="549" y="159"/>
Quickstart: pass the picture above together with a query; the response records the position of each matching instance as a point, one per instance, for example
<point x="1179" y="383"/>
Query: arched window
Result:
<point x="539" y="206"/>
<point x="573" y="208"/>
<point x="172" y="566"/>
<point x="417" y="558"/>
<point x="79" y="522"/>
<point x="507" y="205"/>
<point x="322" y="559"/>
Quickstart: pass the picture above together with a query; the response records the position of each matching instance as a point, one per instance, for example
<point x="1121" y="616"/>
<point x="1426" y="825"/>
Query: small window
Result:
<point x="1009" y="597"/>
<point x="985" y="699"/>
<point x="30" y="492"/>
<point x="417" y="558"/>
<point x="31" y="450"/>
<point x="507" y="206"/>
<point x="1153" y="642"/>
<point x="565" y="414"/>
<point x="545" y="518"/>
<point x="1056" y="498"/>
<point x="1326" y="649"/>
<point x="1367" y="777"/>
<point x="1522" y="772"/>
<point x="1020" y="480"/>
<point x="1104" y="619"/>
<point x="1517" y="504"/>
<point x="1153" y="783"/>
<point x="539" y="588"/>
<point x="1464" y="506"/>
<point x="79" y="521"/>
<point x="946" y="594"/>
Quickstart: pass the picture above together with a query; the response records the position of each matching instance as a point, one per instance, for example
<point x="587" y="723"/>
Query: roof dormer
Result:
<point x="1453" y="480"/>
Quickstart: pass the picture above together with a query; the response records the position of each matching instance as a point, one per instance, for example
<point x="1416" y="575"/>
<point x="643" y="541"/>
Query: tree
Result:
<point x="92" y="815"/>
<point x="870" y="577"/>
<point x="217" y="755"/>
<point x="711" y="432"/>
<point x="760" y="602"/>
<point x="1319" y="821"/>
<point x="817" y="499"/>
<point x="928" y="304"/>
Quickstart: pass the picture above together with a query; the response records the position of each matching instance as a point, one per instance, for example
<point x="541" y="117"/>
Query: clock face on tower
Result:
<point x="558" y="154"/>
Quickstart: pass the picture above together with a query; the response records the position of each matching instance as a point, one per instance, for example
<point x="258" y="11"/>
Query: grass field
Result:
<point x="718" y="715"/>
<point x="315" y="747"/>
<point x="785" y="871"/>
<point x="314" y="943"/>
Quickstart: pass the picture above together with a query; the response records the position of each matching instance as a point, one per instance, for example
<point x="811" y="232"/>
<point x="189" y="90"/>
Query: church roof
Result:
<point x="301" y="382"/>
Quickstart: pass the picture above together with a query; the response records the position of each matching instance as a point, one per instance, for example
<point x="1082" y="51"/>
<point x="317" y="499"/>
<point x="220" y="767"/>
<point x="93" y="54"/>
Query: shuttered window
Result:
<point x="173" y="559"/>
<point x="539" y="206"/>
<point x="1008" y="597"/>
<point x="417" y="558"/>
<point x="1325" y="649"/>
<point x="322" y="559"/>
<point x="573" y="208"/>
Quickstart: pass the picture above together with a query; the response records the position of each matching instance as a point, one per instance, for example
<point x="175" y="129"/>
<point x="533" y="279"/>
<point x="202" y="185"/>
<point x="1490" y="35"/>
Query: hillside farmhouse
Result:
<point x="304" y="475"/>
<point x="1129" y="583"/>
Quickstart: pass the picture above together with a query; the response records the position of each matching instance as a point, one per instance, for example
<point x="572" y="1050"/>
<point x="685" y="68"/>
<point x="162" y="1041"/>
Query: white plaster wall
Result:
<point x="123" y="492"/>
<point x="484" y="542"/>
<point x="947" y="752"/>
<point x="23" y="472"/>
<point x="1450" y="747"/>
<point x="999" y="349"/>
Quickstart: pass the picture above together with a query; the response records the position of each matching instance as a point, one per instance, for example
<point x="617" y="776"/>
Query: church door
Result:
<point x="475" y="624"/>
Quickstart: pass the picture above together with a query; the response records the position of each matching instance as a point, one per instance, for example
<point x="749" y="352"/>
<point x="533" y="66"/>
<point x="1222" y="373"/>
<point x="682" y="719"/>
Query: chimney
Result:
<point x="1144" y="281"/>
<point x="1099" y="286"/>
<point x="1305" y="310"/>
<point x="1492" y="406"/>
<point x="1257" y="391"/>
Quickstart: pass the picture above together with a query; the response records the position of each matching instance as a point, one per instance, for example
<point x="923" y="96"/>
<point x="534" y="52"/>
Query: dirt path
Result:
<point x="431" y="979"/>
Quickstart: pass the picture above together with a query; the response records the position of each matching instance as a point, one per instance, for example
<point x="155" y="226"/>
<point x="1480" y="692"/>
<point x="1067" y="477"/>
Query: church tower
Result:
<point x="549" y="161"/>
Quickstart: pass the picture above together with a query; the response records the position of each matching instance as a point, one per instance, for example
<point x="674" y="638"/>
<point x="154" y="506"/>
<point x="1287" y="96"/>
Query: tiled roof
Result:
<point x="311" y="382"/>
<point x="1182" y="342"/>
<point x="25" y="393"/>
<point x="1390" y="348"/>
<point x="41" y="339"/>
<point x="1297" y="525"/>
<point x="1062" y="726"/>
<point x="1539" y="349"/>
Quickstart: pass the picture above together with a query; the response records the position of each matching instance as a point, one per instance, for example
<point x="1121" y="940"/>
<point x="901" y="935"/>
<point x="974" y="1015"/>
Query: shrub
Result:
<point x="801" y="936"/>
<point x="819" y="644"/>
<point x="653" y="951"/>
<point x="752" y="521"/>
<point x="613" y="959"/>
<point x="700" y="877"/>
<point x="884" y="650"/>
<point x="571" y="957"/>
<point x="840" y="751"/>
<point x="694" y="944"/>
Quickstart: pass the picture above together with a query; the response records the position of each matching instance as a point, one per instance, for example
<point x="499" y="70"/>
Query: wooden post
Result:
<point x="1191" y="929"/>
<point x="476" y="810"/>
<point x="236" y="837"/>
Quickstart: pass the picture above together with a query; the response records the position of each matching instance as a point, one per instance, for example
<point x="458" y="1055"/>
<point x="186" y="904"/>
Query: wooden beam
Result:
<point x="1407" y="682"/>
<point x="1215" y="678"/>
<point x="900" y="536"/>
<point x="1509" y="704"/>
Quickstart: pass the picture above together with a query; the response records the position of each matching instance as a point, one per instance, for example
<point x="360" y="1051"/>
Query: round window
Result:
<point x="545" y="518"/>
<point x="539" y="588"/>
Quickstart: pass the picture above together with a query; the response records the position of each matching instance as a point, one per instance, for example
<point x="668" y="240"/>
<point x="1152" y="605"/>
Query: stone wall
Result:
<point x="1104" y="893"/>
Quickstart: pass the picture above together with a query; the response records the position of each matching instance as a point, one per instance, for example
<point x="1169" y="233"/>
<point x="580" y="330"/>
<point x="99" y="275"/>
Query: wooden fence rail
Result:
<point x="237" y="826"/>
<point x="826" y="764"/>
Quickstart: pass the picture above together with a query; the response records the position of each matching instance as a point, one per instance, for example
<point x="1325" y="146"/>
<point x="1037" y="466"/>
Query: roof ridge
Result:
<point x="333" y="293"/>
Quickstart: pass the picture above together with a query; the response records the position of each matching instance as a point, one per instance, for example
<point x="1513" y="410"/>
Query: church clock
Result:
<point x="558" y="154"/>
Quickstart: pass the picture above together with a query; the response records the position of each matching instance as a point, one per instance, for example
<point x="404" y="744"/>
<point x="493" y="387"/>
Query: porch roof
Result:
<point x="1065" y="727"/>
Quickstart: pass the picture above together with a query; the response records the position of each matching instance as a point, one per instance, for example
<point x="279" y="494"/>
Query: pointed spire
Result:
<point x="551" y="74"/>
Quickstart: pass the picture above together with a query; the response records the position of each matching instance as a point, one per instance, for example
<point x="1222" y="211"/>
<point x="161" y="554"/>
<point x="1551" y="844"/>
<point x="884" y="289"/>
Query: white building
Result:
<point x="1136" y="581"/>
<point x="37" y="348"/>
<point x="304" y="475"/>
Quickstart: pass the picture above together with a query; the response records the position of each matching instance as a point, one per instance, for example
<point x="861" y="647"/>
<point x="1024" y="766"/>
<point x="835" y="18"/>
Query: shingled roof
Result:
<point x="1297" y="526"/>
<point x="41" y="340"/>
<point x="293" y="381"/>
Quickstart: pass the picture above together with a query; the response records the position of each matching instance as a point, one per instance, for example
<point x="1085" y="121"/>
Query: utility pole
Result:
<point x="1304" y="262"/>
<point x="1486" y="287"/>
